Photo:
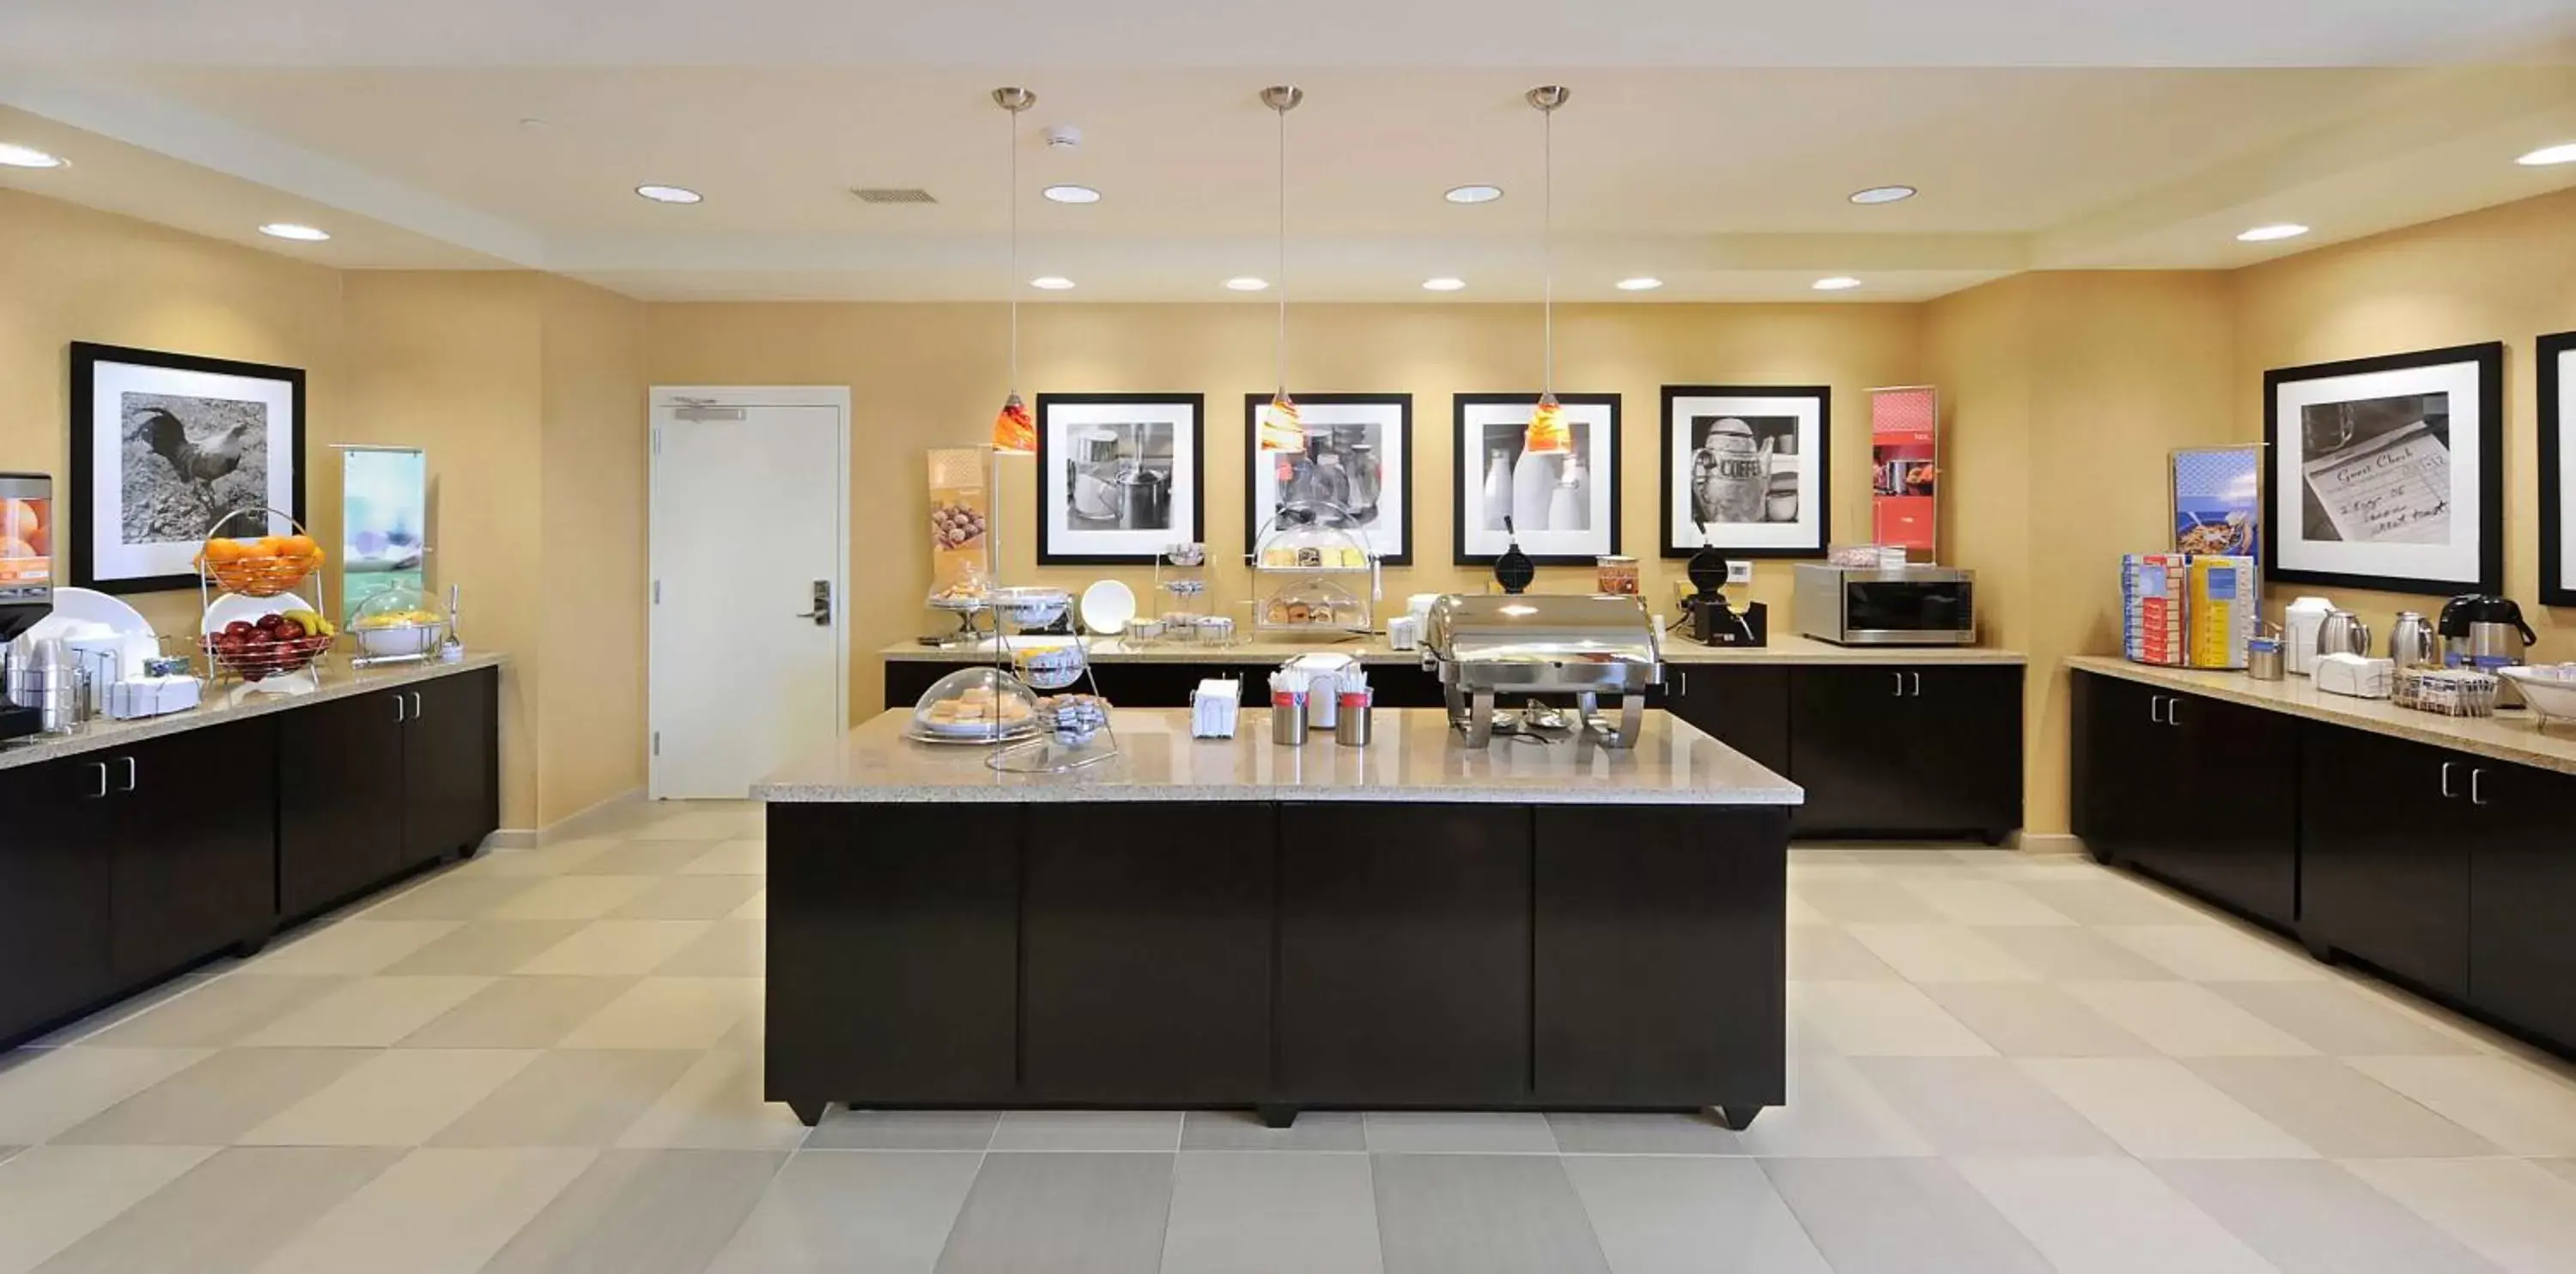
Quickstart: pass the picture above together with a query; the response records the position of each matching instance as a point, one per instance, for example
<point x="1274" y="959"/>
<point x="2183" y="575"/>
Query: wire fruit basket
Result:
<point x="254" y="626"/>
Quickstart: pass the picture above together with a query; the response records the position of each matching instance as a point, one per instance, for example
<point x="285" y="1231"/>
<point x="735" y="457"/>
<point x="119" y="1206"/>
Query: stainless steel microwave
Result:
<point x="1903" y="606"/>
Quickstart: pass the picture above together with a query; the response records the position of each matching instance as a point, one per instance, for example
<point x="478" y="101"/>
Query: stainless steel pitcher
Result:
<point x="2343" y="633"/>
<point x="2412" y="643"/>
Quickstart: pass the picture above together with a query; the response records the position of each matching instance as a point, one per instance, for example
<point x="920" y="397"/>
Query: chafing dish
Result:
<point x="1484" y="646"/>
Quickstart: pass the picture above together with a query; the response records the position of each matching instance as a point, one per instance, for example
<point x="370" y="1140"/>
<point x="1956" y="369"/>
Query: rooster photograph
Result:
<point x="187" y="460"/>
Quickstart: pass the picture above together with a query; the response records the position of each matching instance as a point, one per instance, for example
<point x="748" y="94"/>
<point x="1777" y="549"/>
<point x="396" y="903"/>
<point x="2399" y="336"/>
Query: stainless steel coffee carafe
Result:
<point x="2412" y="643"/>
<point x="2343" y="633"/>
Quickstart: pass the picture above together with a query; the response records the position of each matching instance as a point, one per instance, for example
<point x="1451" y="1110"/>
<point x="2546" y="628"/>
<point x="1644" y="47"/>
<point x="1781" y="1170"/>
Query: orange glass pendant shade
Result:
<point x="1014" y="434"/>
<point x="1280" y="429"/>
<point x="1547" y="430"/>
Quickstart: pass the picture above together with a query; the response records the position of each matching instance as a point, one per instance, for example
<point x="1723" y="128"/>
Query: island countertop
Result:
<point x="1415" y="757"/>
<point x="1785" y="648"/>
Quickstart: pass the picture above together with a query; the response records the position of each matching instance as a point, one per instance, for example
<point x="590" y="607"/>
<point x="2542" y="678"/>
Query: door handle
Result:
<point x="2446" y="779"/>
<point x="416" y="713"/>
<point x="2477" y="782"/>
<point x="2152" y="701"/>
<point x="1900" y="682"/>
<point x="102" y="782"/>
<point x="133" y="774"/>
<point x="2173" y="709"/>
<point x="1918" y="684"/>
<point x="401" y="709"/>
<point x="1682" y="676"/>
<point x="822" y="612"/>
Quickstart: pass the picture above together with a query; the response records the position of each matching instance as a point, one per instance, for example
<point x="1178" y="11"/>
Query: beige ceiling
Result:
<point x="1728" y="181"/>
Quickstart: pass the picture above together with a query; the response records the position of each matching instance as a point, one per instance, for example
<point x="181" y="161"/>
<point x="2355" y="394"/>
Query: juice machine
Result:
<point x="26" y="577"/>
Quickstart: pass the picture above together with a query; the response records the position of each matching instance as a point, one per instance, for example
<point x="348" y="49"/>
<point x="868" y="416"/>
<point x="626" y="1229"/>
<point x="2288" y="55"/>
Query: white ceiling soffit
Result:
<point x="1320" y="33"/>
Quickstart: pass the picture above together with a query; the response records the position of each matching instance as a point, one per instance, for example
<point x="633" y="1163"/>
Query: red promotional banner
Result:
<point x="1905" y="470"/>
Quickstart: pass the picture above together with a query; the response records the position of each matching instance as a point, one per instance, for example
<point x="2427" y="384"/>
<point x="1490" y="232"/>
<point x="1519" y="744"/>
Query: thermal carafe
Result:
<point x="2412" y="643"/>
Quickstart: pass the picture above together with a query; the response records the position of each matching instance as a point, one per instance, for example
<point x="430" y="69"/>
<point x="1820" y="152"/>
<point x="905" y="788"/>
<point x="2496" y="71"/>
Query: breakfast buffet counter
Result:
<point x="1372" y="649"/>
<point x="1234" y="922"/>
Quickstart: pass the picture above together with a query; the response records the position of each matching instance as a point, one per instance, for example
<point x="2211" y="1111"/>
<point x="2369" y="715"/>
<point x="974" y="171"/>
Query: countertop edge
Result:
<point x="821" y="794"/>
<point x="1807" y="653"/>
<point x="343" y="682"/>
<point x="2414" y="727"/>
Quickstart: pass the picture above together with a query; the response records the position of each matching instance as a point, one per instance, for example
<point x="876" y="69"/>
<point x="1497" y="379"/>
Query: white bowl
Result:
<point x="2550" y="689"/>
<point x="398" y="639"/>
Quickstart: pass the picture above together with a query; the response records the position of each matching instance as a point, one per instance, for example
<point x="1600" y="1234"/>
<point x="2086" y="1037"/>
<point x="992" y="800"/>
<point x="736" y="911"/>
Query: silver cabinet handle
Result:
<point x="1900" y="682"/>
<point x="133" y="774"/>
<point x="402" y="711"/>
<point x="2477" y="781"/>
<point x="1918" y="685"/>
<point x="2152" y="701"/>
<point x="2446" y="779"/>
<point x="416" y="713"/>
<point x="2173" y="709"/>
<point x="101" y="767"/>
<point x="1684" y="675"/>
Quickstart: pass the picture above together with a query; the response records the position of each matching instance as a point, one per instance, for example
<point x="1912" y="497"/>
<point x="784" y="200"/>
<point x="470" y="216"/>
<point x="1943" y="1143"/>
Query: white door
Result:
<point x="750" y="551"/>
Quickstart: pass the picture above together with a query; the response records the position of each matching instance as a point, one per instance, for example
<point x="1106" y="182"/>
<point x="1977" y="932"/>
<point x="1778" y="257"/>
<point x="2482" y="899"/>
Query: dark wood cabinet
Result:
<point x="2522" y="900"/>
<point x="1744" y="706"/>
<point x="340" y="779"/>
<point x="1884" y="750"/>
<point x="55" y="874"/>
<point x="2384" y="853"/>
<point x="2194" y="791"/>
<point x="451" y="793"/>
<point x="195" y="860"/>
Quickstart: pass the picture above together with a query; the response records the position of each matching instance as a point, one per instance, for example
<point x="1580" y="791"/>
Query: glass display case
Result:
<point x="975" y="706"/>
<point x="1316" y="575"/>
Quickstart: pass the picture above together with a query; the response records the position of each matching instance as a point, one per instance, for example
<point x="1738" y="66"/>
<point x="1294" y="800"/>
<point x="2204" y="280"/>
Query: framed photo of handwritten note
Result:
<point x="2387" y="472"/>
<point x="2557" y="378"/>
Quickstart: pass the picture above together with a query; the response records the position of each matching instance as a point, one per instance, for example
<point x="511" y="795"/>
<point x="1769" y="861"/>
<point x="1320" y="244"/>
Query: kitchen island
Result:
<point x="1234" y="923"/>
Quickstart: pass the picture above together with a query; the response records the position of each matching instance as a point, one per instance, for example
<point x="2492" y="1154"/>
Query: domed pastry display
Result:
<point x="975" y="705"/>
<point x="1305" y="559"/>
<point x="396" y="623"/>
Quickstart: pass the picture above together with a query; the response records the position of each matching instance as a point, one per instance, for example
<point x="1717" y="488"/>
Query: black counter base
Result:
<point x="1278" y="957"/>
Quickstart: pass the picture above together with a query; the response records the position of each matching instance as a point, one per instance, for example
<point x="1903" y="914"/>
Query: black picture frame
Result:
<point x="1048" y="552"/>
<point x="1667" y="525"/>
<point x="2282" y="525"/>
<point x="1403" y="405"/>
<point x="1463" y="464"/>
<point x="2553" y="416"/>
<point x="86" y="360"/>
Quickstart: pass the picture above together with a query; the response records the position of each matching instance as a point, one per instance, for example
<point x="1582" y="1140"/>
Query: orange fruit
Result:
<point x="298" y="546"/>
<point x="270" y="546"/>
<point x="222" y="551"/>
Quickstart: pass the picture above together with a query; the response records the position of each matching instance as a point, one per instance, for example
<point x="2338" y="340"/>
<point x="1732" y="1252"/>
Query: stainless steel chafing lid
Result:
<point x="1539" y="628"/>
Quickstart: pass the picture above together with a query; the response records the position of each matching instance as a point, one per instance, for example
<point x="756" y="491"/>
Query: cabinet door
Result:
<point x="451" y="775"/>
<point x="2384" y="854"/>
<point x="54" y="875"/>
<point x="2522" y="898"/>
<point x="2229" y="829"/>
<point x="2119" y="747"/>
<point x="1963" y="749"/>
<point x="196" y="846"/>
<point x="340" y="799"/>
<point x="1851" y="747"/>
<point x="1744" y="707"/>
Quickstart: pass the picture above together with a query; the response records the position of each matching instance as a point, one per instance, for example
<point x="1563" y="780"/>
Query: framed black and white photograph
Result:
<point x="1119" y="477"/>
<point x="2557" y="372"/>
<point x="1745" y="469"/>
<point x="2387" y="472"/>
<point x="164" y="444"/>
<point x="1358" y="458"/>
<point x="1563" y="506"/>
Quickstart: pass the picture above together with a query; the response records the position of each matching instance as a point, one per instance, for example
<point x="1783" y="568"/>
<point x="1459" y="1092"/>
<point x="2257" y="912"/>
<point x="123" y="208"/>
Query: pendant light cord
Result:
<point x="1012" y="118"/>
<point x="1280" y="350"/>
<point x="1547" y="248"/>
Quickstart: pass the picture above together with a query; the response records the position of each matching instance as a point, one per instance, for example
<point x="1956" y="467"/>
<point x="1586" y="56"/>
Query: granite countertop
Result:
<point x="2512" y="735"/>
<point x="1415" y="757"/>
<point x="1784" y="649"/>
<point x="232" y="703"/>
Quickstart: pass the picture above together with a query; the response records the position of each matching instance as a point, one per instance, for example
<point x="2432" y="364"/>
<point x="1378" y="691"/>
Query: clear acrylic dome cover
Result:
<point x="976" y="703"/>
<point x="1312" y="537"/>
<point x="396" y="606"/>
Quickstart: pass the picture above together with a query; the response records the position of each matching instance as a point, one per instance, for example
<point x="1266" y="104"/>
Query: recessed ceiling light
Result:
<point x="1838" y="283"/>
<point x="290" y="230"/>
<point x="1473" y="194"/>
<point x="2563" y="153"/>
<point x="1071" y="194"/>
<point x="2278" y="230"/>
<point x="1882" y="194"/>
<point x="1640" y="284"/>
<point x="1247" y="284"/>
<point x="13" y="155"/>
<point x="1443" y="284"/>
<point x="1051" y="282"/>
<point x="669" y="194"/>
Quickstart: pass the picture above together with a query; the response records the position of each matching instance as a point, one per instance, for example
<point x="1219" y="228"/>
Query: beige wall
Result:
<point x="931" y="375"/>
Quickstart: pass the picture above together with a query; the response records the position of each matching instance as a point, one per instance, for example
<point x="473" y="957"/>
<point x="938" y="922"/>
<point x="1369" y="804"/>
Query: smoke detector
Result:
<point x="1063" y="137"/>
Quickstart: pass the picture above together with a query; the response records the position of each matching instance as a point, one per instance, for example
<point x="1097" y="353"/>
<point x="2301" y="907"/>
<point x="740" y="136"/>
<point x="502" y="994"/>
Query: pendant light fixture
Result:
<point x="1547" y="432"/>
<point x="1280" y="430"/>
<point x="1014" y="434"/>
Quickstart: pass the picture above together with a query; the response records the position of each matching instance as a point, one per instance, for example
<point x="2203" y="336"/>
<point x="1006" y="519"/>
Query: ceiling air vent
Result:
<point x="889" y="194"/>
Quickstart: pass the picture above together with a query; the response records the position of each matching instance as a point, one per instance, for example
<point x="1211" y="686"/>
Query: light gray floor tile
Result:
<point x="1941" y="953"/>
<point x="717" y="1105"/>
<point x="368" y="1013"/>
<point x="660" y="1012"/>
<point x="572" y="897"/>
<point x="2157" y="1109"/>
<point x="642" y="1212"/>
<point x="2514" y="1214"/>
<point x="353" y="947"/>
<point x="51" y="1196"/>
<point x="2563" y="1167"/>
<point x="644" y="858"/>
<point x="43" y="1092"/>
<point x="1064" y="1214"/>
<point x="1234" y="1212"/>
<point x="487" y="947"/>
<point x="904" y="1130"/>
<point x="2342" y="1021"/>
<point x="2023" y="1019"/>
<point x="1900" y="1216"/>
<point x="2108" y="1216"/>
<point x="1983" y="1106"/>
<point x="1458" y="1132"/>
<point x="690" y="898"/>
<point x="829" y="1212"/>
<point x="519" y="1012"/>
<point x="1833" y="1111"/>
<point x="1482" y="1214"/>
<point x="2340" y="1111"/>
<point x="1865" y="901"/>
<point x="2102" y="898"/>
<point x="2307" y="1216"/>
<point x="569" y="1098"/>
<point x="435" y="1212"/>
<point x="227" y="1214"/>
<point x="2218" y="952"/>
<point x="1242" y="1130"/>
<point x="81" y="1030"/>
<point x="1140" y="1130"/>
<point x="728" y="949"/>
<point x="731" y="858"/>
<point x="452" y="897"/>
<point x="1883" y="1019"/>
<point x="1592" y="1133"/>
<point x="1671" y="1215"/>
<point x="217" y="1100"/>
<point x="1984" y="900"/>
<point x="220" y="1012"/>
<point x="2186" y="1019"/>
<point x="706" y="821"/>
<point x="1828" y="952"/>
<point x="616" y="948"/>
<point x="2526" y="1110"/>
<point x="395" y="1098"/>
<point x="2069" y="953"/>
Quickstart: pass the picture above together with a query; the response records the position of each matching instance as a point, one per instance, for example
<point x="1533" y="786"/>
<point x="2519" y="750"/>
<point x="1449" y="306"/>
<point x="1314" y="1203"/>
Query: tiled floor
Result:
<point x="550" y="1061"/>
